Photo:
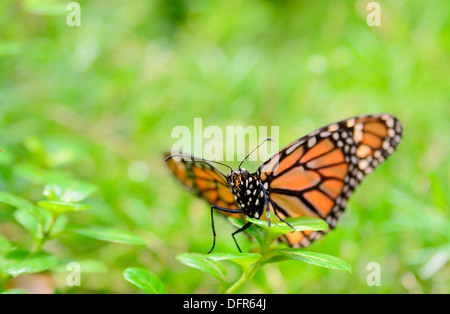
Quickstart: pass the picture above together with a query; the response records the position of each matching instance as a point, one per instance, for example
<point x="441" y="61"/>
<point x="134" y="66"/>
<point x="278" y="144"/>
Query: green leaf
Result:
<point x="299" y="224"/>
<point x="145" y="280"/>
<point x="19" y="261"/>
<point x="41" y="215"/>
<point x="202" y="263"/>
<point x="58" y="207"/>
<point x="276" y="229"/>
<point x="315" y="258"/>
<point x="252" y="230"/>
<point x="59" y="225"/>
<point x="29" y="222"/>
<point x="15" y="291"/>
<point x="107" y="234"/>
<point x="5" y="245"/>
<point x="68" y="191"/>
<point x="16" y="201"/>
<point x="243" y="259"/>
<point x="274" y="257"/>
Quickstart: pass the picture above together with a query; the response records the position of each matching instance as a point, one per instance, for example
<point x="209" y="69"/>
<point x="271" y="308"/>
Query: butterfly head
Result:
<point x="237" y="179"/>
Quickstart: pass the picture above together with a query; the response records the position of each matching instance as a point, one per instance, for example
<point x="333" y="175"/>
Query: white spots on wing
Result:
<point x="336" y="209"/>
<point x="359" y="126"/>
<point x="363" y="164"/>
<point x="332" y="222"/>
<point x="350" y="123"/>
<point x="360" y="175"/>
<point x="358" y="133"/>
<point x="390" y="122"/>
<point x="312" y="141"/>
<point x="305" y="242"/>
<point x="292" y="148"/>
<point x="329" y="219"/>
<point x="358" y="136"/>
<point x="333" y="127"/>
<point x="391" y="132"/>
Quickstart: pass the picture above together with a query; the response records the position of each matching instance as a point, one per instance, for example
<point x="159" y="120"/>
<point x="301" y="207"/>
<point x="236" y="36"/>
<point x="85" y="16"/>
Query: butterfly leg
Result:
<point x="276" y="213"/>
<point x="212" y="221"/>
<point x="267" y="199"/>
<point x="248" y="224"/>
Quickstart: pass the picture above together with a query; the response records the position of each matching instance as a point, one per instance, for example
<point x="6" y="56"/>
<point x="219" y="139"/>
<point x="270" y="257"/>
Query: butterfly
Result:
<point x="313" y="176"/>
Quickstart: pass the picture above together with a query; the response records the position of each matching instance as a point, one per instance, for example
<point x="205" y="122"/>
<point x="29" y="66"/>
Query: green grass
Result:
<point x="85" y="103"/>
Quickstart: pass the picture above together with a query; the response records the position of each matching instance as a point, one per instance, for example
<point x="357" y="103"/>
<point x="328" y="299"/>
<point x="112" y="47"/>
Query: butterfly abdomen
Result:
<point x="248" y="192"/>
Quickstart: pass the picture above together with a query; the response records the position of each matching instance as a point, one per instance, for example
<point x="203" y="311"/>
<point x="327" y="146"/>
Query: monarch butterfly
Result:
<point x="313" y="176"/>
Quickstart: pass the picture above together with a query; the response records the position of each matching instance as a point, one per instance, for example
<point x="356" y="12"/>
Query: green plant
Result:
<point x="46" y="220"/>
<point x="145" y="280"/>
<point x="267" y="252"/>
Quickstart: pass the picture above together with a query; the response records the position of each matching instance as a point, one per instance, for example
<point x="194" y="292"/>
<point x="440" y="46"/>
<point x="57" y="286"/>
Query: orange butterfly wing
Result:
<point x="315" y="175"/>
<point x="204" y="180"/>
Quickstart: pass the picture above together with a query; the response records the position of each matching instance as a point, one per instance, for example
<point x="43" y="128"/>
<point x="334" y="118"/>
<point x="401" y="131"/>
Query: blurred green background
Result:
<point x="98" y="103"/>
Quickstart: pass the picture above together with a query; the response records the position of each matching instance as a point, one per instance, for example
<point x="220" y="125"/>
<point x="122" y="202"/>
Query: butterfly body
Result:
<point x="248" y="192"/>
<point x="313" y="176"/>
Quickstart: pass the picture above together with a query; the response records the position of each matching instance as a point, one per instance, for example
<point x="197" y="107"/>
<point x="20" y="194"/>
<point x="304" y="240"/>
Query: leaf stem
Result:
<point x="45" y="236"/>
<point x="247" y="274"/>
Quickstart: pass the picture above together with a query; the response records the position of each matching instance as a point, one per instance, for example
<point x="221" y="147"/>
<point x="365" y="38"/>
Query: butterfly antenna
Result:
<point x="199" y="159"/>
<point x="267" y="139"/>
